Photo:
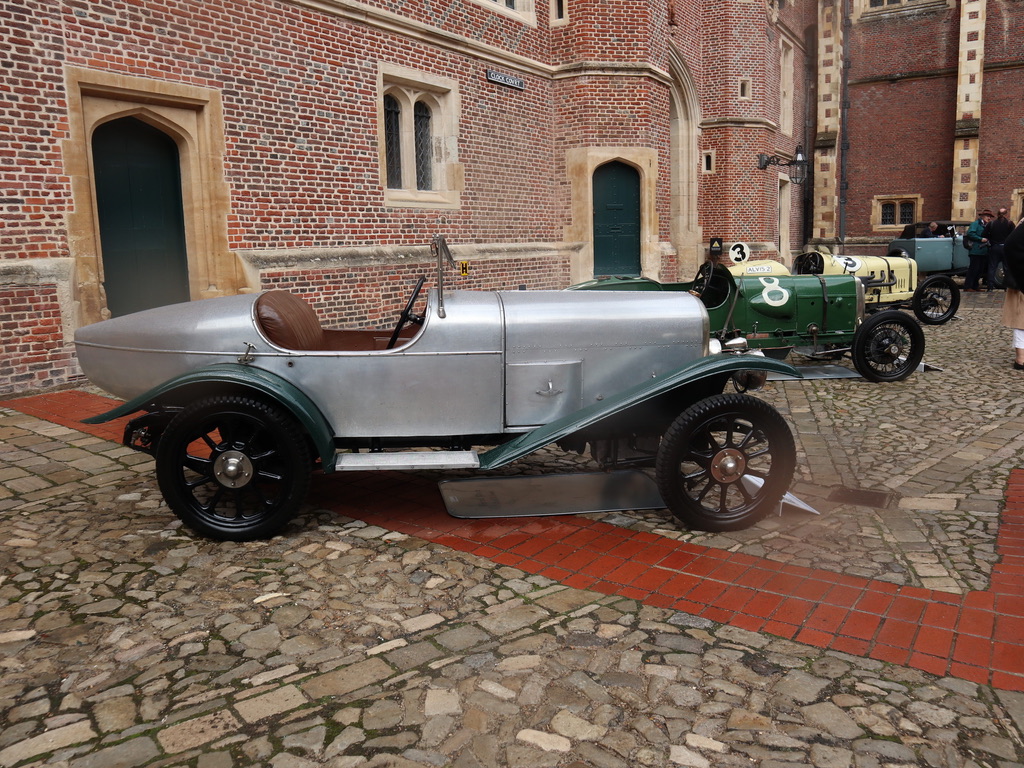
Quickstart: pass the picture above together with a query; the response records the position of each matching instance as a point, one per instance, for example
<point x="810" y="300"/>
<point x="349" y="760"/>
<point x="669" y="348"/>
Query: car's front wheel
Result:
<point x="888" y="346"/>
<point x="233" y="468"/>
<point x="936" y="300"/>
<point x="725" y="463"/>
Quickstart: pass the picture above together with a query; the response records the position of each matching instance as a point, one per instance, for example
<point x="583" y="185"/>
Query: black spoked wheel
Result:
<point x="725" y="463"/>
<point x="888" y="346"/>
<point x="1000" y="275"/>
<point x="233" y="468"/>
<point x="936" y="300"/>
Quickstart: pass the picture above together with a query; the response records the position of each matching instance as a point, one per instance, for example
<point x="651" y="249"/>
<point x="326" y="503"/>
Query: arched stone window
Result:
<point x="418" y="139"/>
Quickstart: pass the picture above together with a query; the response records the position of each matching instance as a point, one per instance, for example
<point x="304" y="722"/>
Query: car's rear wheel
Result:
<point x="233" y="468"/>
<point x="725" y="463"/>
<point x="888" y="346"/>
<point x="1000" y="275"/>
<point x="936" y="300"/>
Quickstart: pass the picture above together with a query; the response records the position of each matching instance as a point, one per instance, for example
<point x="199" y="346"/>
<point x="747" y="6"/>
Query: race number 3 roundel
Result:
<point x="850" y="264"/>
<point x="739" y="252"/>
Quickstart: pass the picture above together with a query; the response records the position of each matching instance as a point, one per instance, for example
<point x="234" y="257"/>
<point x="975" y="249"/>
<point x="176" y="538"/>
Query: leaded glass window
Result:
<point x="393" y="141"/>
<point x="424" y="156"/>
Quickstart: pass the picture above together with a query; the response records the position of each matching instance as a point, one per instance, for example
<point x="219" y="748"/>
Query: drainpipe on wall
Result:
<point x="810" y="110"/>
<point x="844" y="141"/>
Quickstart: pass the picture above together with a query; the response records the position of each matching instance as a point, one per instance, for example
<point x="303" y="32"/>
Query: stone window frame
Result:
<point x="194" y="118"/>
<point x="520" y="10"/>
<point x="559" y="14"/>
<point x="1017" y="204"/>
<point x="879" y="201"/>
<point x="863" y="10"/>
<point x="441" y="95"/>
<point x="787" y="85"/>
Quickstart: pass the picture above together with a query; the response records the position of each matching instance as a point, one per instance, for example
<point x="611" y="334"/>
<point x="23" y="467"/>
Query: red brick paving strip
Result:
<point x="68" y="408"/>
<point x="978" y="636"/>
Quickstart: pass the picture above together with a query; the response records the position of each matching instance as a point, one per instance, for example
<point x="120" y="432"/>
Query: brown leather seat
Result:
<point x="289" y="322"/>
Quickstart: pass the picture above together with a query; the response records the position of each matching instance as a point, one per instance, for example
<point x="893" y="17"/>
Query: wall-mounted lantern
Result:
<point x="797" y="166"/>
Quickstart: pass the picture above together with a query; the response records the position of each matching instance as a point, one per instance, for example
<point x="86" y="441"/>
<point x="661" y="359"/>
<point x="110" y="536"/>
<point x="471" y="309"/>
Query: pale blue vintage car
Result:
<point x="242" y="397"/>
<point x="939" y="255"/>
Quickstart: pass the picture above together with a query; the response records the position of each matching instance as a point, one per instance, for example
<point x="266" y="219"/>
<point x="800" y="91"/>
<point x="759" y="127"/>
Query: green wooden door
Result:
<point x="142" y="231"/>
<point x="616" y="220"/>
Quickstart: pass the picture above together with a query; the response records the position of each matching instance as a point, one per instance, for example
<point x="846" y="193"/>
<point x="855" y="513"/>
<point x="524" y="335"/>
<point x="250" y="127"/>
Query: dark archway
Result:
<point x="616" y="219"/>
<point x="142" y="232"/>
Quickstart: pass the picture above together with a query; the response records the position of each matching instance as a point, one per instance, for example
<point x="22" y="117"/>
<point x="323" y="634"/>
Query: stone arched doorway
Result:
<point x="137" y="173"/>
<point x="191" y="119"/>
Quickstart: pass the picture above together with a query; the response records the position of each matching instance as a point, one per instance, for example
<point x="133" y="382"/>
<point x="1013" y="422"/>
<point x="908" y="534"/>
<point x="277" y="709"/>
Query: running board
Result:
<point x="833" y="371"/>
<point x="542" y="495"/>
<point x="569" y="494"/>
<point x="407" y="460"/>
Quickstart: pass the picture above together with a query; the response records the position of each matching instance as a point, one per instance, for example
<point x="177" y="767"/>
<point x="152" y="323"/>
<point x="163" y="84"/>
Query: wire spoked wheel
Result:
<point x="936" y="300"/>
<point x="888" y="346"/>
<point x="725" y="463"/>
<point x="233" y="468"/>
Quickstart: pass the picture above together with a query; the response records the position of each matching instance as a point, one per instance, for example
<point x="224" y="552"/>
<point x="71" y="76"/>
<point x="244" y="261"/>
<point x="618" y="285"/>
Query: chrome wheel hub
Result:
<point x="233" y="469"/>
<point x="728" y="465"/>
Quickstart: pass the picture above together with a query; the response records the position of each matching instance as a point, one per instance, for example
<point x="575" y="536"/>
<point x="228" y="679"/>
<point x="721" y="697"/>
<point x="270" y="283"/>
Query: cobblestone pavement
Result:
<point x="127" y="641"/>
<point x="940" y="445"/>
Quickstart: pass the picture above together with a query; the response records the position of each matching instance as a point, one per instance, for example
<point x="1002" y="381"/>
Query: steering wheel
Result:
<point x="407" y="315"/>
<point x="703" y="278"/>
<point x="810" y="263"/>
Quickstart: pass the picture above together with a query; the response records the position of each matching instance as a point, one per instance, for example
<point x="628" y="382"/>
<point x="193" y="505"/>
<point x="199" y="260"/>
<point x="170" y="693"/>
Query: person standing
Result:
<point x="996" y="233"/>
<point x="977" y="249"/>
<point x="1013" y="301"/>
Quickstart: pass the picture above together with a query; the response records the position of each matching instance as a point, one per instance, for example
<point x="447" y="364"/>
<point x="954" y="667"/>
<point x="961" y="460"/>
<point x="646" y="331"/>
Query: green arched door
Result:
<point x="142" y="230"/>
<point x="616" y="220"/>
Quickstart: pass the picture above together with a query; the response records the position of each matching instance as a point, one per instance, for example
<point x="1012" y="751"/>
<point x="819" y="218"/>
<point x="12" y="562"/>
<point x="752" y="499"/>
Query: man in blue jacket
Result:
<point x="977" y="249"/>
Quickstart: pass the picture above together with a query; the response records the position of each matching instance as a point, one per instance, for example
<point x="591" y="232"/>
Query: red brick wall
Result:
<point x="299" y="96"/>
<point x="902" y="113"/>
<point x="740" y="41"/>
<point x="891" y="154"/>
<point x="1001" y="164"/>
<point x="32" y="350"/>
<point x="903" y="109"/>
<point x="1001" y="131"/>
<point x="905" y="43"/>
<point x="34" y="192"/>
<point x="373" y="297"/>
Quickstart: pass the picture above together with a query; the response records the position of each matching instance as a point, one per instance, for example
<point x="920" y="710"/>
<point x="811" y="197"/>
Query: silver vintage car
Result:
<point x="243" y="396"/>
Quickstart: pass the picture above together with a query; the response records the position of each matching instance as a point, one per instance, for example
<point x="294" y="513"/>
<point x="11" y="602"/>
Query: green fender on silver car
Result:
<point x="225" y="378"/>
<point x="232" y="377"/>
